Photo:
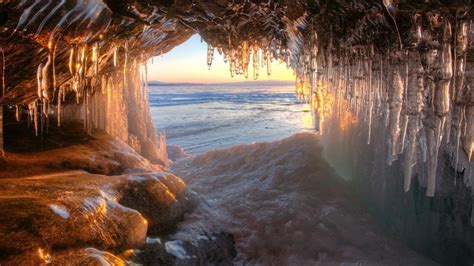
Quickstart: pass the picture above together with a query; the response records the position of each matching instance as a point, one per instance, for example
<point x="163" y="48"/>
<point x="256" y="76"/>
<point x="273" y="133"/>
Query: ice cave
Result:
<point x="385" y="177"/>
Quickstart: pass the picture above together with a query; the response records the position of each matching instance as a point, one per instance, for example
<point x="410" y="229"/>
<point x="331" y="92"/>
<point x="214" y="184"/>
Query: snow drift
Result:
<point x="284" y="205"/>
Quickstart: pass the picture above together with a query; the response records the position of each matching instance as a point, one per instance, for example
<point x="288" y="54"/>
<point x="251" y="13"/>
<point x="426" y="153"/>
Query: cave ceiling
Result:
<point x="32" y="29"/>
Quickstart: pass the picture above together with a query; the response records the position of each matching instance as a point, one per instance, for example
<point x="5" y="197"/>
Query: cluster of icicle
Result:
<point x="84" y="82"/>
<point x="37" y="16"/>
<point x="261" y="53"/>
<point x="420" y="93"/>
<point x="258" y="53"/>
<point x="101" y="75"/>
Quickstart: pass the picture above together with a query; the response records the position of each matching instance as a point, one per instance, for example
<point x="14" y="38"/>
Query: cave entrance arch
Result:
<point x="201" y="107"/>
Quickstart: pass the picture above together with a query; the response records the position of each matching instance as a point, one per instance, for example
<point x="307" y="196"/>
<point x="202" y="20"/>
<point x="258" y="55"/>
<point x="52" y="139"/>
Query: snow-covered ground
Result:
<point x="285" y="206"/>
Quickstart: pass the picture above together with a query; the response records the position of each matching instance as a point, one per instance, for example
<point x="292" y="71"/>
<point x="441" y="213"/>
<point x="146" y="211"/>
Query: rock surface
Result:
<point x="51" y="215"/>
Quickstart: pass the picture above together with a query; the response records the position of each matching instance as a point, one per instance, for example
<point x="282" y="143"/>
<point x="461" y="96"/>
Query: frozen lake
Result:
<point x="202" y="118"/>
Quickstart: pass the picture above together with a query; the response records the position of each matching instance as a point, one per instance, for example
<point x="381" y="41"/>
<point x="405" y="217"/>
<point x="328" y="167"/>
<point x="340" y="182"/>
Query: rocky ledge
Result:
<point x="110" y="214"/>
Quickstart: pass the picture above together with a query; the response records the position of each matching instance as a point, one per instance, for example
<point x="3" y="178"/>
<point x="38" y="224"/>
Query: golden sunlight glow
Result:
<point x="346" y="118"/>
<point x="323" y="104"/>
<point x="197" y="72"/>
<point x="170" y="195"/>
<point x="128" y="253"/>
<point x="102" y="208"/>
<point x="189" y="63"/>
<point x="44" y="256"/>
<point x="307" y="118"/>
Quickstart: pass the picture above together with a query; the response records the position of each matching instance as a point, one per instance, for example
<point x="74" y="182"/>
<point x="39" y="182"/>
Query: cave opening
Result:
<point x="202" y="107"/>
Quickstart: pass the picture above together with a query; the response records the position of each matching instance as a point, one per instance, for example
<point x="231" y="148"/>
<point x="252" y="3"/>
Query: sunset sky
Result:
<point x="188" y="63"/>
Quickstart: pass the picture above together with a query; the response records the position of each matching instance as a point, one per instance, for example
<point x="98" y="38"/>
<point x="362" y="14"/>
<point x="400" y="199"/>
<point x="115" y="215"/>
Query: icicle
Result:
<point x="146" y="78"/>
<point x="210" y="55"/>
<point x="441" y="95"/>
<point x="395" y="106"/>
<point x="410" y="156"/>
<point x="269" y="64"/>
<point x="125" y="64"/>
<point x="82" y="60"/>
<point x="371" y="93"/>
<point x="71" y="61"/>
<point x="35" y="116"/>
<point x="3" y="71"/>
<point x="17" y="113"/>
<point x="255" y="61"/>
<point x="45" y="79"/>
<point x="86" y="110"/>
<point x="115" y="56"/>
<point x="433" y="132"/>
<point x="320" y="108"/>
<point x="53" y="65"/>
<point x="468" y="138"/>
<point x="60" y="93"/>
<point x="413" y="109"/>
<point x="391" y="9"/>
<point x="2" y="151"/>
<point x="39" y="80"/>
<point x="95" y="59"/>
<point x="405" y="100"/>
<point x="459" y="81"/>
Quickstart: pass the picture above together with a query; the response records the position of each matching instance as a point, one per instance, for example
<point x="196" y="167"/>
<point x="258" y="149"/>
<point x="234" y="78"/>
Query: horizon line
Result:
<point x="224" y="82"/>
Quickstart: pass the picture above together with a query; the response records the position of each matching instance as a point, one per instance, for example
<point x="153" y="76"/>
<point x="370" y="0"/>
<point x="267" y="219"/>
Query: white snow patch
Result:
<point x="104" y="258"/>
<point x="202" y="237"/>
<point x="138" y="179"/>
<point x="153" y="240"/>
<point x="60" y="210"/>
<point x="176" y="248"/>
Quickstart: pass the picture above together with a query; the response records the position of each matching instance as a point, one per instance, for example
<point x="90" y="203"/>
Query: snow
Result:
<point x="60" y="210"/>
<point x="283" y="204"/>
<point x="153" y="240"/>
<point x="176" y="248"/>
<point x="104" y="258"/>
<point x="137" y="178"/>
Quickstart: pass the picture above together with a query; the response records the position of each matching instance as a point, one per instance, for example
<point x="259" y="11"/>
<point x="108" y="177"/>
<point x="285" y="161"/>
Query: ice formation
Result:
<point x="103" y="97"/>
<point x="60" y="210"/>
<point x="420" y="87"/>
<point x="176" y="248"/>
<point x="383" y="64"/>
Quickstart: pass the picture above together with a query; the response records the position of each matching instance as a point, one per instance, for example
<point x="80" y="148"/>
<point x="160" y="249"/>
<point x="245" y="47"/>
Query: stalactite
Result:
<point x="396" y="101"/>
<point x="210" y="55"/>
<point x="413" y="110"/>
<point x="72" y="64"/>
<point x="2" y="71"/>
<point x="2" y="151"/>
<point x="115" y="56"/>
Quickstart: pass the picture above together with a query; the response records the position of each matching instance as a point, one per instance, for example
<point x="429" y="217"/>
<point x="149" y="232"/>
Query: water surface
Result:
<point x="202" y="118"/>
